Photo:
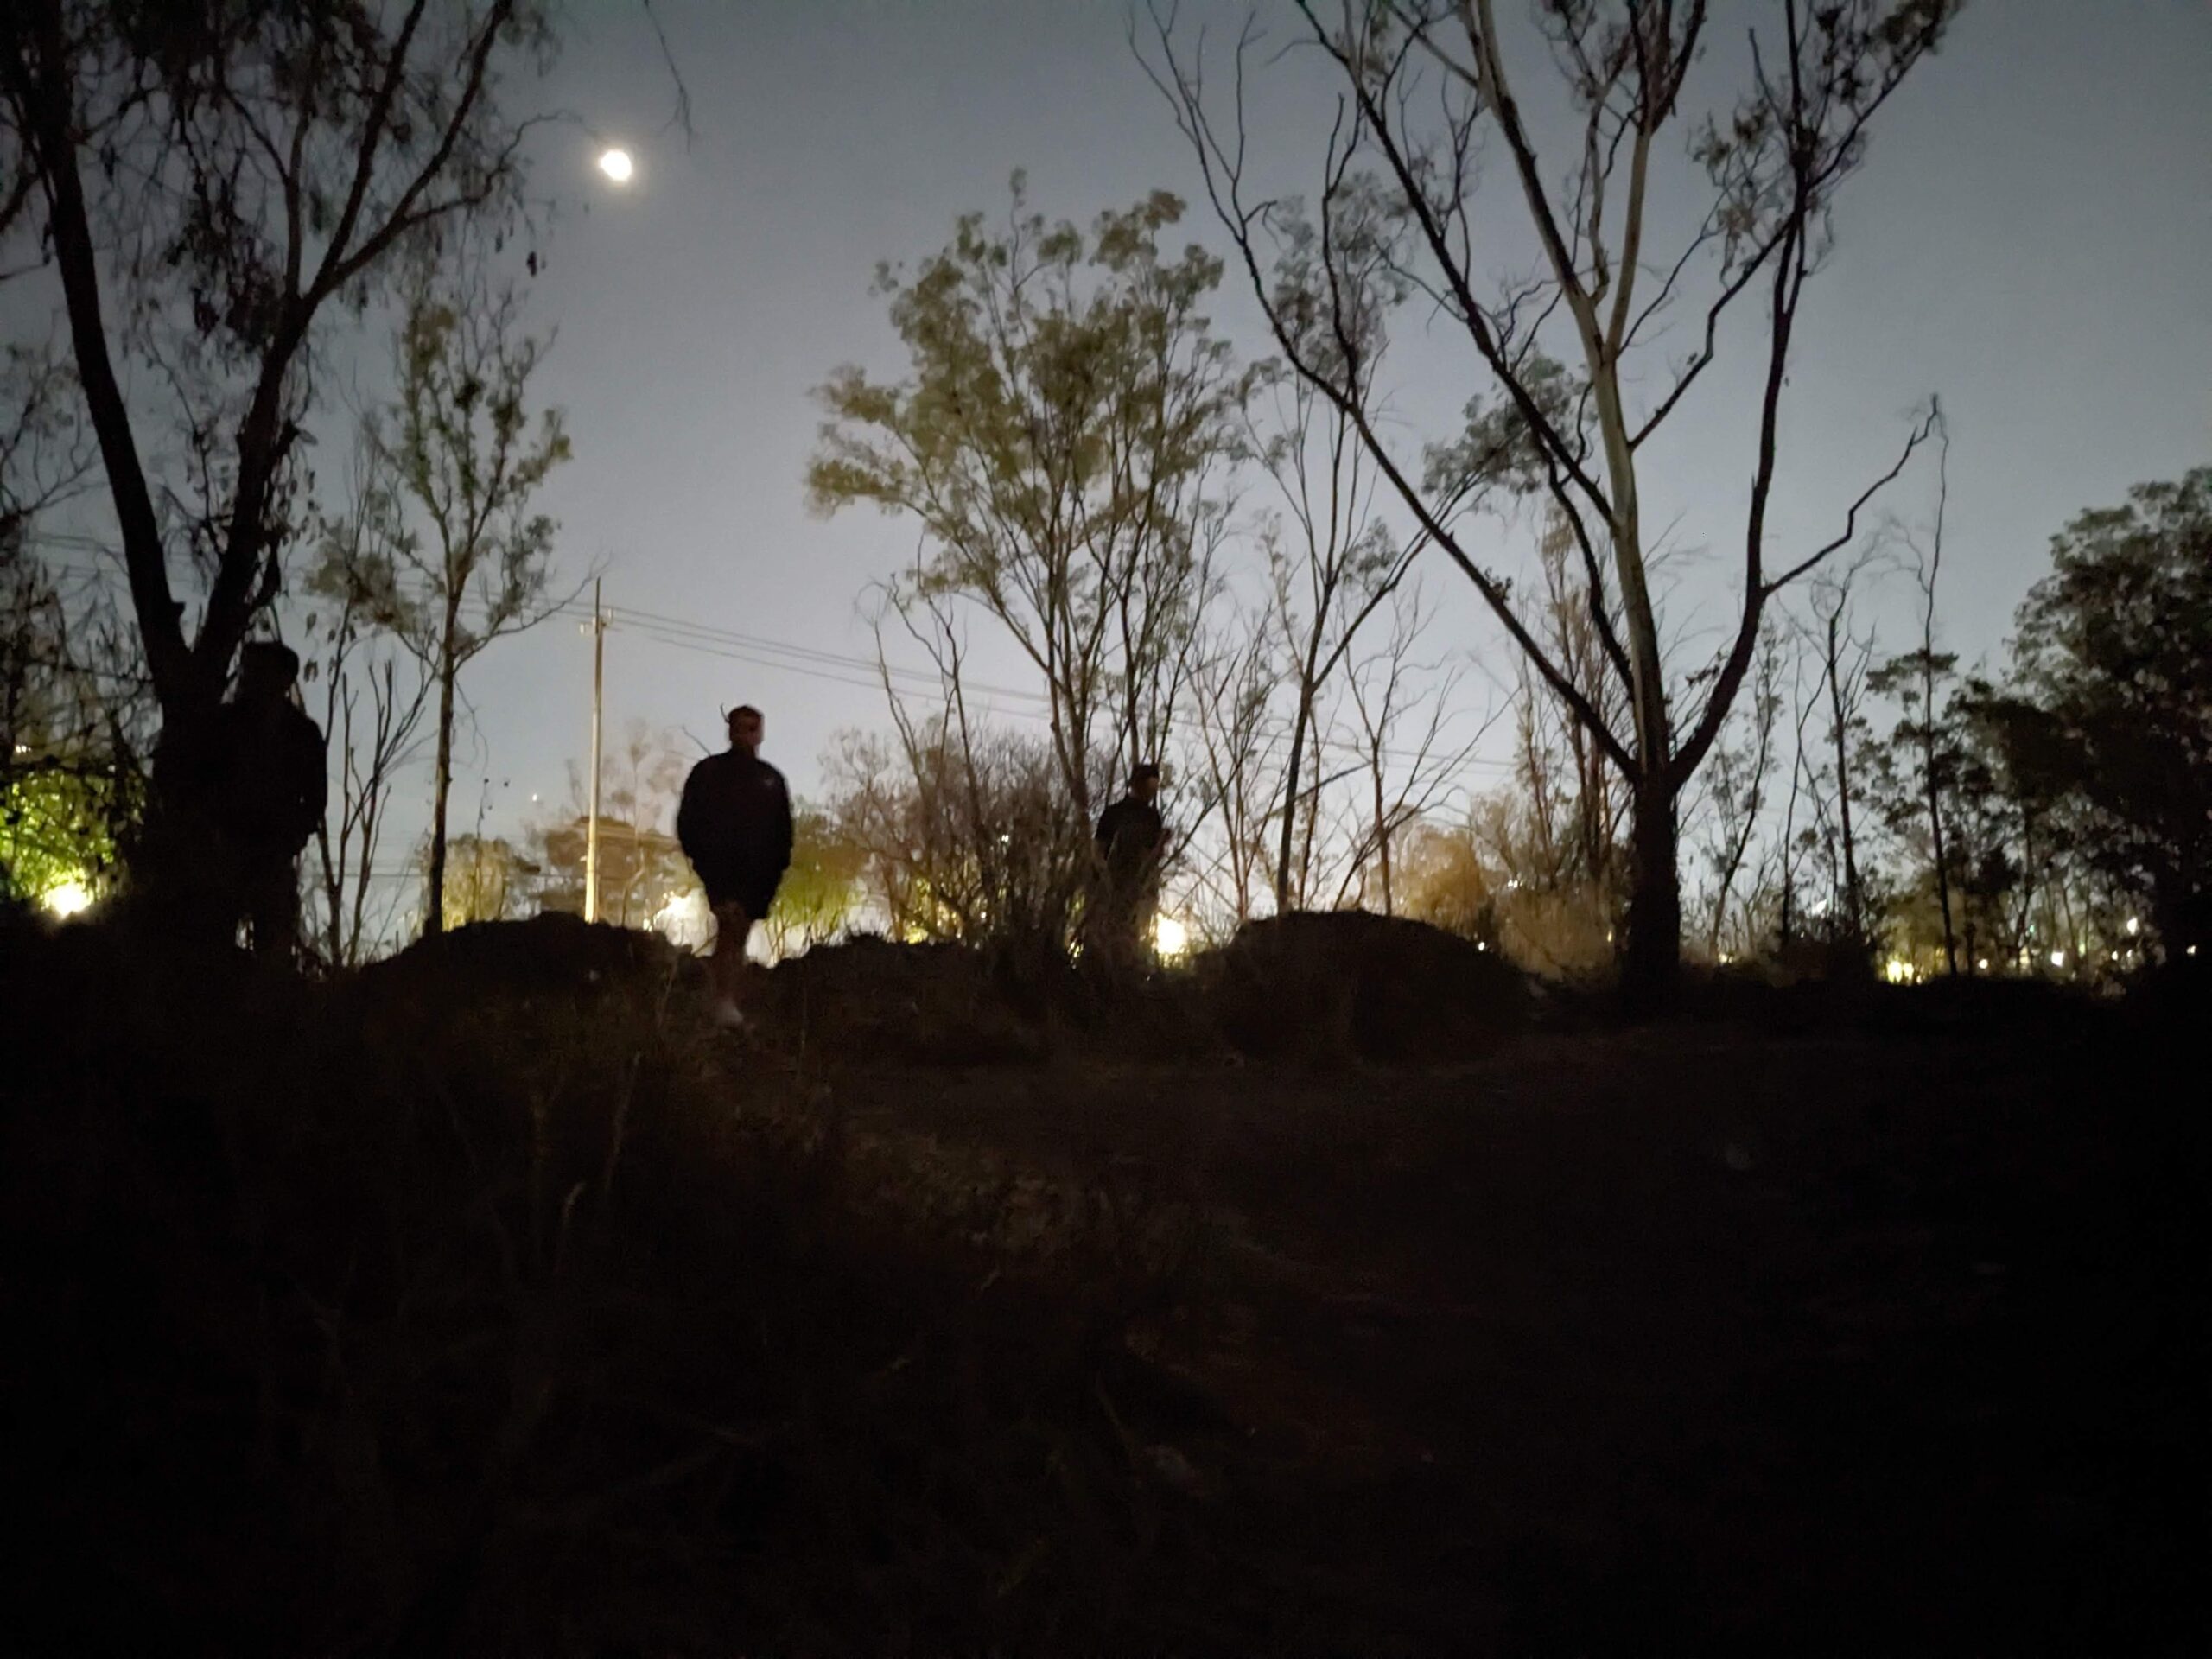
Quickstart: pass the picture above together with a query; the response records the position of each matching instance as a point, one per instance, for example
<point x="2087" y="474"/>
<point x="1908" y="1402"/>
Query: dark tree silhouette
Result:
<point x="1425" y="87"/>
<point x="2106" y="721"/>
<point x="215" y="184"/>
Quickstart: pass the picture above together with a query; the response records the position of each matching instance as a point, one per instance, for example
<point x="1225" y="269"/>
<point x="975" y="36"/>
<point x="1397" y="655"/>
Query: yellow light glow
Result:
<point x="2058" y="958"/>
<point x="2134" y="926"/>
<point x="1983" y="964"/>
<point x="70" y="898"/>
<point x="1170" y="937"/>
<point x="617" y="165"/>
<point x="1898" y="970"/>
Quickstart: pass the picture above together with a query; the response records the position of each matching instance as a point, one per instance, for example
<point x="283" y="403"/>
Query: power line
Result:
<point x="834" y="668"/>
<point x="665" y="629"/>
<point x="651" y="622"/>
<point x="754" y="659"/>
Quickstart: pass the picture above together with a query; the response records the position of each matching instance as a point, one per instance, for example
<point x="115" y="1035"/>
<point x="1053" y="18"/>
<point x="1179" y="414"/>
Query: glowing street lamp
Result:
<point x="1170" y="938"/>
<point x="617" y="165"/>
<point x="70" y="898"/>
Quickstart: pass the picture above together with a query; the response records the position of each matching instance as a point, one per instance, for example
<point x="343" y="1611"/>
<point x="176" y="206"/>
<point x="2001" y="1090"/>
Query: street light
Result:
<point x="617" y="165"/>
<point x="69" y="899"/>
<point x="1170" y="937"/>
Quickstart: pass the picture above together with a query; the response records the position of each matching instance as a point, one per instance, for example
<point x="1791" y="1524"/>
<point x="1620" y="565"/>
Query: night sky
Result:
<point x="2032" y="239"/>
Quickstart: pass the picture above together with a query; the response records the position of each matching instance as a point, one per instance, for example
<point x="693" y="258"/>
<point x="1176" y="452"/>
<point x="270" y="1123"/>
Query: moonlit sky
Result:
<point x="2031" y="238"/>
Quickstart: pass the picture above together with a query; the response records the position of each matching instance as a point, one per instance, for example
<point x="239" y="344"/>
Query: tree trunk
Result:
<point x="1935" y="798"/>
<point x="1652" y="956"/>
<point x="1854" y="908"/>
<point x="1942" y="870"/>
<point x="1382" y="835"/>
<point x="1928" y="710"/>
<point x="1290" y="802"/>
<point x="433" y="918"/>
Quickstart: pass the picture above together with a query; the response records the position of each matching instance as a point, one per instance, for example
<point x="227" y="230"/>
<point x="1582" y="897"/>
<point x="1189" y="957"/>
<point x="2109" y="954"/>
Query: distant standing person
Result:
<point x="736" y="826"/>
<point x="265" y="782"/>
<point x="1132" y="841"/>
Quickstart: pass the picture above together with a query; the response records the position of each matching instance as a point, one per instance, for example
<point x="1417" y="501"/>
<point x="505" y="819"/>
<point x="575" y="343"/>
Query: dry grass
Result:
<point x="493" y="1302"/>
<point x="449" y="1310"/>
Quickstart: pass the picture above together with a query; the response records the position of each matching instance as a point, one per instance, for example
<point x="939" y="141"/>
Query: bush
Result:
<point x="977" y="842"/>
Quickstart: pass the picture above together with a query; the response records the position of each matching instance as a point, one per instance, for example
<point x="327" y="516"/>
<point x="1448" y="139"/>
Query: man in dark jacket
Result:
<point x="736" y="826"/>
<point x="1132" y="840"/>
<point x="265" y="782"/>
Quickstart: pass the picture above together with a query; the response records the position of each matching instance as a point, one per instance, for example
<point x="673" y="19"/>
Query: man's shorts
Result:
<point x="752" y="897"/>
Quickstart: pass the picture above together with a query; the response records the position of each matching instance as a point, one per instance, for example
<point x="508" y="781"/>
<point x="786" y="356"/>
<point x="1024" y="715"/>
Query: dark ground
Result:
<point x="1681" y="1339"/>
<point x="1878" y="1331"/>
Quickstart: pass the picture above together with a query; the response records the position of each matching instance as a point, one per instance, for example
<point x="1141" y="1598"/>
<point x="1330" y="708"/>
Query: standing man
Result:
<point x="1132" y="841"/>
<point x="265" y="782"/>
<point x="736" y="826"/>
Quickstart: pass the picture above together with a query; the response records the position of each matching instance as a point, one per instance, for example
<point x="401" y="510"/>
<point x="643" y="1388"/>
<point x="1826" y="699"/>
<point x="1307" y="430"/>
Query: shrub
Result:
<point x="490" y="1301"/>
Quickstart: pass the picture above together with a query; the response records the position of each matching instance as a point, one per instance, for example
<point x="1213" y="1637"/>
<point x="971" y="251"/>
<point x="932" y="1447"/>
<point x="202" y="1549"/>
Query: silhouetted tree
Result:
<point x="371" y="707"/>
<point x="1915" y="772"/>
<point x="468" y="460"/>
<point x="2105" y="722"/>
<point x="965" y="835"/>
<point x="1424" y="89"/>
<point x="1062" y="439"/>
<point x="1332" y="564"/>
<point x="1737" y="786"/>
<point x="1235" y="744"/>
<point x="1845" y="657"/>
<point x="1409" y="760"/>
<point x="214" y="183"/>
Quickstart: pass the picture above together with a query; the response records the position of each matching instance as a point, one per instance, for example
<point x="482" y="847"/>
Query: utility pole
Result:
<point x="598" y="626"/>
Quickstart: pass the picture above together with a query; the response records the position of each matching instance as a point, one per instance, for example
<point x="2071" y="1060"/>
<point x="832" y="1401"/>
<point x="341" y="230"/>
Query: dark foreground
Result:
<point x="492" y="1306"/>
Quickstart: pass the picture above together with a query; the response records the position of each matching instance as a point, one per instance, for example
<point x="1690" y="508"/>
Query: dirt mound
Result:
<point x="1331" y="985"/>
<point x="1347" y="983"/>
<point x="548" y="953"/>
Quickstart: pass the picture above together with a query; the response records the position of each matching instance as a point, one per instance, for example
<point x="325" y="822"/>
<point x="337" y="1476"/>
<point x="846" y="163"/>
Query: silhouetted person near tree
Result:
<point x="736" y="826"/>
<point x="1132" y="840"/>
<point x="260" y="781"/>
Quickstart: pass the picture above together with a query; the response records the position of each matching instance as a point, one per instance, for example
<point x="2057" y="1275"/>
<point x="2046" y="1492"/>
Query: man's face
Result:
<point x="1146" y="789"/>
<point x="744" y="731"/>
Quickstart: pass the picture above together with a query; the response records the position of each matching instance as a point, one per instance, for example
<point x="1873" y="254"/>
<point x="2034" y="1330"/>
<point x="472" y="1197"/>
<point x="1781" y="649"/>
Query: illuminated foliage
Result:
<point x="820" y="888"/>
<point x="58" y="825"/>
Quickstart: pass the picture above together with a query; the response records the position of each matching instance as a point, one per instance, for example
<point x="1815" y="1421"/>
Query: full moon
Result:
<point x="615" y="163"/>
